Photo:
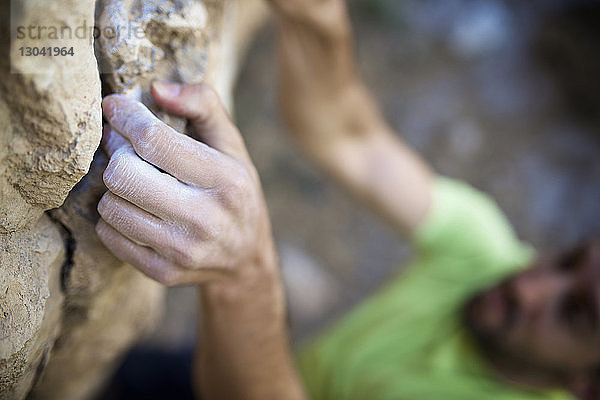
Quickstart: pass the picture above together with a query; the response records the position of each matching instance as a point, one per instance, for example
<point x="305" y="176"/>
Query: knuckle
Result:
<point x="205" y="231"/>
<point x="236" y="189"/>
<point x="202" y="225"/>
<point x="181" y="255"/>
<point x="150" y="139"/>
<point x="146" y="135"/>
<point x="231" y="196"/>
<point x="169" y="278"/>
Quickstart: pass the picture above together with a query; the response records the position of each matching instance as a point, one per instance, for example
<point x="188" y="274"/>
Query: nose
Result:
<point x="534" y="291"/>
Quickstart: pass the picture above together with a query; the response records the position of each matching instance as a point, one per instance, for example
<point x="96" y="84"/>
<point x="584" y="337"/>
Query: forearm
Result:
<point x="333" y="116"/>
<point x="245" y="351"/>
<point x="347" y="136"/>
<point x="386" y="175"/>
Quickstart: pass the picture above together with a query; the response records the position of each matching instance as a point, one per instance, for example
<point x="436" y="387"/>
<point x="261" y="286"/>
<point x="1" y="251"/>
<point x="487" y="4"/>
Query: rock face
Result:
<point x="49" y="136"/>
<point x="69" y="308"/>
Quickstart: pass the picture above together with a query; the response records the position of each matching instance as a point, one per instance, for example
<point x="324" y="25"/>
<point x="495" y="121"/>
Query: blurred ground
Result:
<point x="503" y="94"/>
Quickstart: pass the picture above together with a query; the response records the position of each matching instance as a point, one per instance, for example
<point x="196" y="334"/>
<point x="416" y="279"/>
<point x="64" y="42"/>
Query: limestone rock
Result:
<point x="69" y="308"/>
<point x="51" y="123"/>
<point x="108" y="306"/>
<point x="50" y="113"/>
<point x="30" y="303"/>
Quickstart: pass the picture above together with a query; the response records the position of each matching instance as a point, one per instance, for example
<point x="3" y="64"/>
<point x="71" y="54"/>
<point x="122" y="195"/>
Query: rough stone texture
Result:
<point x="69" y="308"/>
<point x="49" y="134"/>
<point x="182" y="40"/>
<point x="51" y="126"/>
<point x="30" y="302"/>
<point x="168" y="39"/>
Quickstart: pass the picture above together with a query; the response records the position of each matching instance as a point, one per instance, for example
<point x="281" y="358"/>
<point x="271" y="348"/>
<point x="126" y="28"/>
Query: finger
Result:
<point x="159" y="144"/>
<point x="133" y="222"/>
<point x="148" y="230"/>
<point x="143" y="258"/>
<point x="160" y="194"/>
<point x="112" y="141"/>
<point x="148" y="261"/>
<point x="201" y="105"/>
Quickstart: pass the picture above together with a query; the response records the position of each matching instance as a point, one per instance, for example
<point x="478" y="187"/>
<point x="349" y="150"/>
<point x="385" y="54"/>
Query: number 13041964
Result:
<point x="46" y="51"/>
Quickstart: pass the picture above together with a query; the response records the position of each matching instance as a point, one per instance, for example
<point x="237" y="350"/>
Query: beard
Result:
<point x="489" y="318"/>
<point x="493" y="343"/>
<point x="487" y="338"/>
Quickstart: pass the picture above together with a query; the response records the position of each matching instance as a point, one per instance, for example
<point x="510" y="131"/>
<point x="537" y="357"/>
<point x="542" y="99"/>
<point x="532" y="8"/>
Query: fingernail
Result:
<point x="167" y="89"/>
<point x="109" y="107"/>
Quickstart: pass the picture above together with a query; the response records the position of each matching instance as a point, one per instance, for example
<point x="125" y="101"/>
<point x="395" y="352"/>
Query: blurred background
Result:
<point x="503" y="94"/>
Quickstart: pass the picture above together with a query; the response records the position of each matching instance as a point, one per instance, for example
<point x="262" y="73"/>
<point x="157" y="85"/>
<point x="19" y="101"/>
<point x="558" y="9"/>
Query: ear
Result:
<point x="585" y="385"/>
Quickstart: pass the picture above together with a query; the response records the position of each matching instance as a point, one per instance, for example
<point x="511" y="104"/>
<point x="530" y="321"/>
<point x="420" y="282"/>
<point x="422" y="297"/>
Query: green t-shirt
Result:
<point x="407" y="342"/>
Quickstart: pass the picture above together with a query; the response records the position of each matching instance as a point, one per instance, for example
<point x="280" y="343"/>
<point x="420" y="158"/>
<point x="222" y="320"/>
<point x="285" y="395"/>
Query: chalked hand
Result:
<point x="182" y="209"/>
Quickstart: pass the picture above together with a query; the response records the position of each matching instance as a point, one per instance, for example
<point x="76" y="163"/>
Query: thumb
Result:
<point x="208" y="119"/>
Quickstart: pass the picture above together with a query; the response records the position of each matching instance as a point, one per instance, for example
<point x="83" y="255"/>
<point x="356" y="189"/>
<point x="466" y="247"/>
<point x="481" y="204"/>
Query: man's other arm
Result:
<point x="334" y="118"/>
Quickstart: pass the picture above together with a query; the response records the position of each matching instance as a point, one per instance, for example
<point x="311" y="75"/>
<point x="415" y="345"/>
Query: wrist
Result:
<point x="255" y="284"/>
<point x="245" y="349"/>
<point x="329" y="20"/>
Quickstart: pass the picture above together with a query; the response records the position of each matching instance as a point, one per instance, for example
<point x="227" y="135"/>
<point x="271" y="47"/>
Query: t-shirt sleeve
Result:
<point x="466" y="236"/>
<point x="386" y="348"/>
